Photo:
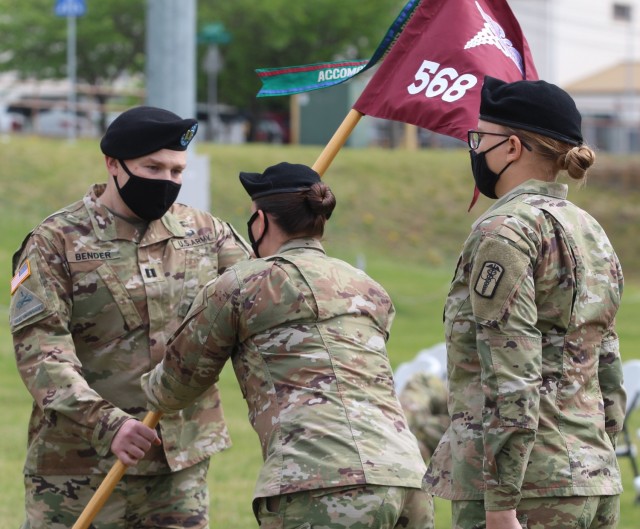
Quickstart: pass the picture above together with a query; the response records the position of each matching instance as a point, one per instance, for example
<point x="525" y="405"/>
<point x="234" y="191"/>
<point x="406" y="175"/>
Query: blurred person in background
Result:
<point x="424" y="400"/>
<point x="98" y="288"/>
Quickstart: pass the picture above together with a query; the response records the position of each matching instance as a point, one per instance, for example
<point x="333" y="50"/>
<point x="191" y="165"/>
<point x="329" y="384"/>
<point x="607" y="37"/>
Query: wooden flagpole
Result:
<point x="109" y="483"/>
<point x="337" y="141"/>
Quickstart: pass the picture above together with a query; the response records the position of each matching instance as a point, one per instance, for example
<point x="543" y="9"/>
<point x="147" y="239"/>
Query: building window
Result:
<point x="622" y="12"/>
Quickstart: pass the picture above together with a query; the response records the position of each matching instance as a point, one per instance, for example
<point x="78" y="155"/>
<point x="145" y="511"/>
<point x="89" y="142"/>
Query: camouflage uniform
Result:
<point x="535" y="377"/>
<point x="96" y="299"/>
<point x="306" y="335"/>
<point x="561" y="512"/>
<point x="424" y="401"/>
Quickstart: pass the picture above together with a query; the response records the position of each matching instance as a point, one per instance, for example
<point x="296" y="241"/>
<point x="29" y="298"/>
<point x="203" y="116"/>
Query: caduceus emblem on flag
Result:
<point x="492" y="34"/>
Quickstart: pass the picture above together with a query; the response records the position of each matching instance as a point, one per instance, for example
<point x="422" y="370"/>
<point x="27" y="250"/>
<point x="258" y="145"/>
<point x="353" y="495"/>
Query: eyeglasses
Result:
<point x="474" y="137"/>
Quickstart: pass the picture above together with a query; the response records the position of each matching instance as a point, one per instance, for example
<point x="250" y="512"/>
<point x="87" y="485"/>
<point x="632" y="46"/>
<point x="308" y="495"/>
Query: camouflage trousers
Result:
<point x="176" y="500"/>
<point x="353" y="507"/>
<point x="572" y="512"/>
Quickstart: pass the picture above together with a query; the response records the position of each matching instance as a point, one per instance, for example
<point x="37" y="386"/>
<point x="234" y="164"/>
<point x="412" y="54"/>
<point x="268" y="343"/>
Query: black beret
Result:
<point x="142" y="130"/>
<point x="281" y="178"/>
<point x="535" y="106"/>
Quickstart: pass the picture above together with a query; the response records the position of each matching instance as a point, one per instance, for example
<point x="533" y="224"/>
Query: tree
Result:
<point x="272" y="33"/>
<point x="110" y="41"/>
<point x="265" y="33"/>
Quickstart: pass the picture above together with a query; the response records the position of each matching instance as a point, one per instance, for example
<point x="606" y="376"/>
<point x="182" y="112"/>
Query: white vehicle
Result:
<point x="10" y="121"/>
<point x="57" y="122"/>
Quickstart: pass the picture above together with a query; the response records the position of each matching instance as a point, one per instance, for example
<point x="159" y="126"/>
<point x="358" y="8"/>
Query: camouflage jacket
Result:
<point x="306" y="335"/>
<point x="95" y="300"/>
<point x="535" y="376"/>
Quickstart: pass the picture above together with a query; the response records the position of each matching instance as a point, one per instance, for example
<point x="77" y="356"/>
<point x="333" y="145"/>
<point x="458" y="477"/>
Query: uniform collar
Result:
<point x="536" y="187"/>
<point x="109" y="227"/>
<point x="303" y="243"/>
<point x="530" y="187"/>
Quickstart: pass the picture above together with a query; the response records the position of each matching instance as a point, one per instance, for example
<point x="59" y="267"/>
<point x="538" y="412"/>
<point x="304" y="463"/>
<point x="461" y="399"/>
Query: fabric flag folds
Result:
<point x="433" y="74"/>
<point x="432" y="62"/>
<point x="296" y="79"/>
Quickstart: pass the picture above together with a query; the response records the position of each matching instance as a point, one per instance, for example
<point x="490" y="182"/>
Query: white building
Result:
<point x="573" y="39"/>
<point x="592" y="49"/>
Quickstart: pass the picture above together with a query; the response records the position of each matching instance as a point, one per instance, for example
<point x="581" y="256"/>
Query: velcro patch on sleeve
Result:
<point x="25" y="305"/>
<point x="23" y="273"/>
<point x="501" y="271"/>
<point x="489" y="278"/>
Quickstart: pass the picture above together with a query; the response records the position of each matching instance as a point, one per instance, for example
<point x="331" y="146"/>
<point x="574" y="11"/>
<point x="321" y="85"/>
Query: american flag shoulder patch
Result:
<point x="23" y="272"/>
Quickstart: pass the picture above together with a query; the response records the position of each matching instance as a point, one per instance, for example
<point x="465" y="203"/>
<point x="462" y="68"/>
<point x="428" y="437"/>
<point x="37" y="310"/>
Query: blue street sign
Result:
<point x="70" y="8"/>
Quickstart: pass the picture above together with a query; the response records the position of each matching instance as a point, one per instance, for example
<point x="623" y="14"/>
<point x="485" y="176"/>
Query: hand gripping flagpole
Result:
<point x="109" y="483"/>
<point x="337" y="141"/>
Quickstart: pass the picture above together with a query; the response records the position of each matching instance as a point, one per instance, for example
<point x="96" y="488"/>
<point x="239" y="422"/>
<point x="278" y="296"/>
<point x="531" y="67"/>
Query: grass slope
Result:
<point x="403" y="214"/>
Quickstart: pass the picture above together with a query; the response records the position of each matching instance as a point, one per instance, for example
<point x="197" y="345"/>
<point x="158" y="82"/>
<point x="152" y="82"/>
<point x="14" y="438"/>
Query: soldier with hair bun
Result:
<point x="535" y="375"/>
<point x="98" y="288"/>
<point x="306" y="336"/>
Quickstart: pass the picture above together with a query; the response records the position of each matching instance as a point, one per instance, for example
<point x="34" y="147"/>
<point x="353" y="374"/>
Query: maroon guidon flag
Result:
<point x="433" y="74"/>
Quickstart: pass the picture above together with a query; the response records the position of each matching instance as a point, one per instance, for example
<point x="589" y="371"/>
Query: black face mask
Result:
<point x="148" y="198"/>
<point x="485" y="178"/>
<point x="255" y="244"/>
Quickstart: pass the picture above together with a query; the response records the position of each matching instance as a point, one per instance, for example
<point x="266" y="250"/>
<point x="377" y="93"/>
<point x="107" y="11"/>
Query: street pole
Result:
<point x="171" y="55"/>
<point x="213" y="35"/>
<point x="630" y="87"/>
<point x="71" y="9"/>
<point x="71" y="74"/>
<point x="171" y="82"/>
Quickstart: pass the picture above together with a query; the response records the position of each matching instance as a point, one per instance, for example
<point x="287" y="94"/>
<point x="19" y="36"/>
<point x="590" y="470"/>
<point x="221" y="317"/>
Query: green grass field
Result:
<point x="402" y="213"/>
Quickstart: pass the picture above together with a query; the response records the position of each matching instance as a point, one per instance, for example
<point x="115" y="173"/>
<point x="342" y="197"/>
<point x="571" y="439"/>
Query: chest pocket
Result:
<point x="200" y="267"/>
<point x="102" y="308"/>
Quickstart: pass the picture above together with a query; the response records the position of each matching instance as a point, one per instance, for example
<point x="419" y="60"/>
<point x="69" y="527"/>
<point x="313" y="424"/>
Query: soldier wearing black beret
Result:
<point x="306" y="335"/>
<point x="98" y="288"/>
<point x="535" y="388"/>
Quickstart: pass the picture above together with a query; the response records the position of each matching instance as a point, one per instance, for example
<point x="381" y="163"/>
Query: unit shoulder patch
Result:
<point x="489" y="278"/>
<point x="25" y="305"/>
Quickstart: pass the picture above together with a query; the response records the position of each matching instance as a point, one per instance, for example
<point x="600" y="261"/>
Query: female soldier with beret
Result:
<point x="535" y="378"/>
<point x="306" y="335"/>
